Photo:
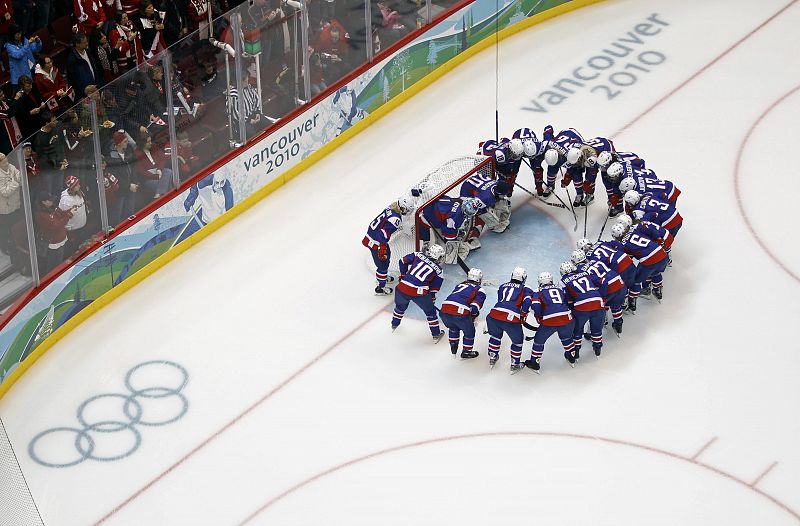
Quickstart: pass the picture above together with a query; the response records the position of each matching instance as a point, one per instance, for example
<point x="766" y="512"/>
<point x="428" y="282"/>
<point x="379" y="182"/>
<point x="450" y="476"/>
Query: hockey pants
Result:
<point x="514" y="331"/>
<point x="544" y="332"/>
<point x="629" y="276"/>
<point x="382" y="267"/>
<point x="457" y="324"/>
<point x="596" y="319"/>
<point x="646" y="272"/>
<point x="401" y="301"/>
<point x="552" y="172"/>
<point x="615" y="301"/>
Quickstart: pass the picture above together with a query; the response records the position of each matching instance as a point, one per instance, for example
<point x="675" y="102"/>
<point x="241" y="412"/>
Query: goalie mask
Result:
<point x="470" y="206"/>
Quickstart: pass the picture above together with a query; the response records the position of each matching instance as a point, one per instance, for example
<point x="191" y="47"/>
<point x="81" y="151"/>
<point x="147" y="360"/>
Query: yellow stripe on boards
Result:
<point x="290" y="174"/>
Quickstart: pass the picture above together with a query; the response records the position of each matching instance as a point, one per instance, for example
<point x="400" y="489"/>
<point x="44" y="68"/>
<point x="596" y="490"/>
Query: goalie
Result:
<point x="495" y="211"/>
<point x="452" y="219"/>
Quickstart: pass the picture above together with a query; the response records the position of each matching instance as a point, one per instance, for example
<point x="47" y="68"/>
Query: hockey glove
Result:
<point x="613" y="200"/>
<point x="539" y="188"/>
<point x="566" y="180"/>
<point x="587" y="187"/>
<point x="383" y="252"/>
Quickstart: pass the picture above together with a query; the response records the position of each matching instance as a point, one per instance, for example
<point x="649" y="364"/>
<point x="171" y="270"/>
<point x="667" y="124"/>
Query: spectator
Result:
<point x="90" y="14"/>
<point x="76" y="138"/>
<point x="111" y="185"/>
<point x="121" y="161"/>
<point x="154" y="94"/>
<point x="334" y="52"/>
<point x="267" y="17"/>
<point x="51" y="227"/>
<point x="198" y="15"/>
<point x="130" y="7"/>
<point x="52" y="86"/>
<point x="104" y="55"/>
<point x="74" y="201"/>
<point x="151" y="26"/>
<point x="82" y="70"/>
<point x="6" y="19"/>
<point x="10" y="182"/>
<point x="154" y="174"/>
<point x="126" y="40"/>
<point x="112" y="109"/>
<point x="10" y="132"/>
<point x="93" y="94"/>
<point x="27" y="106"/>
<point x="213" y="84"/>
<point x="188" y="162"/>
<point x="176" y="21"/>
<point x="36" y="182"/>
<point x="318" y="84"/>
<point x="20" y="54"/>
<point x="49" y="145"/>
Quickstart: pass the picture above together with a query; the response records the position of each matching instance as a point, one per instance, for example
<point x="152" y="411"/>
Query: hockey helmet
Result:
<point x="584" y="244"/>
<point x="618" y="230"/>
<point x="628" y="183"/>
<point x="515" y="149"/>
<point x="625" y="219"/>
<point x="632" y="197"/>
<point x="567" y="267"/>
<point x="519" y="274"/>
<point x="435" y="252"/>
<point x="545" y="278"/>
<point x="406" y="204"/>
<point x="574" y="156"/>
<point x="604" y="159"/>
<point x="578" y="256"/>
<point x="551" y="157"/>
<point x="475" y="275"/>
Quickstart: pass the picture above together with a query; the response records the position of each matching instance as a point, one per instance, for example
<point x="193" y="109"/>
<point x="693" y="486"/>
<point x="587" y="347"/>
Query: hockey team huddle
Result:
<point x="599" y="276"/>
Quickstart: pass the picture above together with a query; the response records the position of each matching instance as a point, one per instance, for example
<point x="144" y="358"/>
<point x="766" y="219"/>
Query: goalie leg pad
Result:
<point x="490" y="218"/>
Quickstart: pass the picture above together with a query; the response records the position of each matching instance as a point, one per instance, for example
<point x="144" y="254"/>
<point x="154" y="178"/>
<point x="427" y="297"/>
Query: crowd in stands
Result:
<point x="60" y="58"/>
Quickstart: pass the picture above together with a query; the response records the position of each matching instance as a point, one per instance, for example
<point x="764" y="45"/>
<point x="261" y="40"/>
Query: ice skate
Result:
<point x="588" y="199"/>
<point x="597" y="351"/>
<point x="394" y="327"/>
<point x="646" y="291"/>
<point x="617" y="326"/>
<point x="474" y="243"/>
<point x="468" y="355"/>
<point x="577" y="353"/>
<point x="657" y="292"/>
<point x="383" y="291"/>
<point x="438" y="337"/>
<point x="453" y="349"/>
<point x="516" y="367"/>
<point x="631" y="307"/>
<point x="493" y="360"/>
<point x="570" y="357"/>
<point x="578" y="202"/>
<point x="533" y="363"/>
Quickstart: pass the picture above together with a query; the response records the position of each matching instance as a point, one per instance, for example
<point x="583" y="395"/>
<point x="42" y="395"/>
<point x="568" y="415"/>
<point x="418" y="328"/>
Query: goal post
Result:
<point x="444" y="180"/>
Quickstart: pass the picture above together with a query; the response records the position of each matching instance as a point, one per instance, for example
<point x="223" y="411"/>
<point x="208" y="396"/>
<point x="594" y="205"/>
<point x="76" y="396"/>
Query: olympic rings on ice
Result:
<point x="107" y="438"/>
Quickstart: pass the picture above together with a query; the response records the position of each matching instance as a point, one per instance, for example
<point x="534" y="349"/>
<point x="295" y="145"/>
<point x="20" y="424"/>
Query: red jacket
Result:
<point x="90" y="14"/>
<point x="144" y="165"/>
<point x="47" y="86"/>
<point x="52" y="227"/>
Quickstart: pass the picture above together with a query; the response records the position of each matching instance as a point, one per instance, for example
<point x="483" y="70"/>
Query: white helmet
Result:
<point x="626" y="184"/>
<point x="519" y="274"/>
<point x="470" y="206"/>
<point x="545" y="278"/>
<point x="515" y="148"/>
<point x="406" y="204"/>
<point x="626" y="220"/>
<point x="618" y="230"/>
<point x="551" y="157"/>
<point x="475" y="275"/>
<point x="590" y="161"/>
<point x="574" y="156"/>
<point x="614" y="171"/>
<point x="578" y="256"/>
<point x="632" y="197"/>
<point x="638" y="214"/>
<point x="584" y="244"/>
<point x="567" y="267"/>
<point x="435" y="252"/>
<point x="530" y="147"/>
<point x="604" y="159"/>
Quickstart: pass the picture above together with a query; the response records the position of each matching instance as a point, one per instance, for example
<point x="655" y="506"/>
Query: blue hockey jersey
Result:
<point x="381" y="228"/>
<point x="482" y="187"/>
<point x="419" y="275"/>
<point x="550" y="306"/>
<point x="446" y="216"/>
<point x="585" y="291"/>
<point x="513" y="302"/>
<point x="467" y="298"/>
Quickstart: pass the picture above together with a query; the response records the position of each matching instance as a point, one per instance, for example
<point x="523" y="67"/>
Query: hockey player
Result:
<point x="420" y="280"/>
<point x="452" y="220"/>
<point x="647" y="208"/>
<point x="490" y="192"/>
<point x="513" y="303"/>
<point x="533" y="152"/>
<point x="646" y="182"/>
<point x="614" y="288"/>
<point x="460" y="310"/>
<point x="379" y="233"/>
<point x="550" y="307"/>
<point x="643" y="241"/>
<point x="585" y="294"/>
<point x="555" y="155"/>
<point x="612" y="254"/>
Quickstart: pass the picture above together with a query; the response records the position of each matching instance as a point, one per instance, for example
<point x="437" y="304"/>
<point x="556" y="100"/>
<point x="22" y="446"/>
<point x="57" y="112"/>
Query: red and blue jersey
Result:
<point x="563" y="141"/>
<point x="466" y="299"/>
<point x="550" y="306"/>
<point x="513" y="302"/>
<point x="381" y="229"/>
<point x="601" y="144"/>
<point x="659" y="212"/>
<point x="640" y="242"/>
<point x="482" y="187"/>
<point x="647" y="183"/>
<point x="610" y="279"/>
<point x="612" y="254"/>
<point x="419" y="275"/>
<point x="525" y="134"/>
<point x="446" y="216"/>
<point x="584" y="291"/>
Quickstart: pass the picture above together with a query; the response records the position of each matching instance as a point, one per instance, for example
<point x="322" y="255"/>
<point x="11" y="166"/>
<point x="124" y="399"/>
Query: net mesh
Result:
<point x="444" y="180"/>
<point x="17" y="506"/>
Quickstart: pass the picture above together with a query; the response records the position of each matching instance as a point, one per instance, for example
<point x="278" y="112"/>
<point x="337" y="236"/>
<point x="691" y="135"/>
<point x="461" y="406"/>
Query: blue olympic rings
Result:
<point x="131" y="407"/>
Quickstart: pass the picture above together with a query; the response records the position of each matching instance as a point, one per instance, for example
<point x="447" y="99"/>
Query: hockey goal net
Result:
<point x="444" y="180"/>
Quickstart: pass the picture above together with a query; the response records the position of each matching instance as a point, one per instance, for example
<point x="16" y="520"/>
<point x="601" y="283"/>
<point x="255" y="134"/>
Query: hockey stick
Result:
<point x="585" y="214"/>
<point x="524" y="324"/>
<point x="575" y="217"/>
<point x="604" y="225"/>
<point x="461" y="262"/>
<point x="557" y="205"/>
<point x="569" y="200"/>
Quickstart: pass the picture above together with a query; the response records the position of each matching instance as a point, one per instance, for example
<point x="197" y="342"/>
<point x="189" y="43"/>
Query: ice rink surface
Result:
<point x="304" y="408"/>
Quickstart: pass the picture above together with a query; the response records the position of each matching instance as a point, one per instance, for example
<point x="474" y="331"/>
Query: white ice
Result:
<point x="306" y="409"/>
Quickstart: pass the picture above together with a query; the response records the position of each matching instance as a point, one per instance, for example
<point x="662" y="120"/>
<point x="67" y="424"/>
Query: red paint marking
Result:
<point x="763" y="474"/>
<point x="736" y="178"/>
<point x="702" y="449"/>
<point x="244" y="413"/>
<point x="454" y="438"/>
<point x="704" y="68"/>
